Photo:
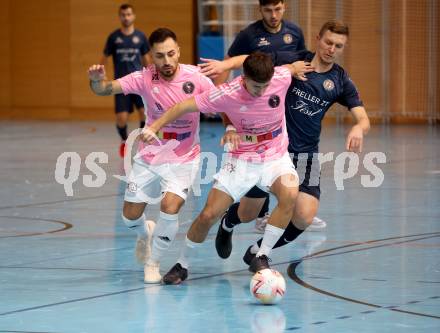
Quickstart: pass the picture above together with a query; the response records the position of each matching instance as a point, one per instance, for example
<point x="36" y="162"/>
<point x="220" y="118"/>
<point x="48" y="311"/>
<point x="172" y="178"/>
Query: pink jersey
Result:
<point x="260" y="121"/>
<point x="159" y="95"/>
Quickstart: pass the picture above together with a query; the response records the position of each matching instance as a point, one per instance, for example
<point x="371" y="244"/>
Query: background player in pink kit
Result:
<point x="255" y="105"/>
<point x="161" y="86"/>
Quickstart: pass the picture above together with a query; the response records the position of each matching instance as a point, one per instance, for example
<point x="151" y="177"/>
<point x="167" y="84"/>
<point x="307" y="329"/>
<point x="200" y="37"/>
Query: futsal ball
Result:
<point x="268" y="286"/>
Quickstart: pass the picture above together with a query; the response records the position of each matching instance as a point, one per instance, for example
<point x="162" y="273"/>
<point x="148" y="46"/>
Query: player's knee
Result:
<point x="170" y="206"/>
<point x="208" y="216"/>
<point x="287" y="200"/>
<point x="303" y="217"/>
<point x="131" y="212"/>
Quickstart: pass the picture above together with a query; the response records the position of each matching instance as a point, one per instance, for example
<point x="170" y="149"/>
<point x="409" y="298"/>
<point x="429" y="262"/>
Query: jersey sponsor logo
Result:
<point x="119" y="40"/>
<point x="328" y="85"/>
<point x="136" y="40"/>
<point x="304" y="108"/>
<point x="274" y="101"/>
<point x="188" y="87"/>
<point x="263" y="42"/>
<point x="159" y="107"/>
<point x="288" y="38"/>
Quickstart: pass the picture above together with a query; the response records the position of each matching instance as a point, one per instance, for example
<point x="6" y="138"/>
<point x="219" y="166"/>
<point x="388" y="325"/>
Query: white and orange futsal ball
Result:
<point x="268" y="286"/>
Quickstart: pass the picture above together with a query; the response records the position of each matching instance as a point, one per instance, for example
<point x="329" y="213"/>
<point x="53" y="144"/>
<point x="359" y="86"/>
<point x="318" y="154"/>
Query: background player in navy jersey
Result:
<point x="307" y="101"/>
<point x="129" y="49"/>
<point x="271" y="34"/>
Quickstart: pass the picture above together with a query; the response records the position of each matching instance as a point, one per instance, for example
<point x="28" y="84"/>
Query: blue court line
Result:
<point x="291" y="271"/>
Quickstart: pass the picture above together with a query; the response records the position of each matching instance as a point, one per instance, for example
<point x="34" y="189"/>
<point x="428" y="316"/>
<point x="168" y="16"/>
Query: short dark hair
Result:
<point x="335" y="26"/>
<point x="258" y="67"/>
<point x="160" y="35"/>
<point x="270" y="2"/>
<point x="125" y="6"/>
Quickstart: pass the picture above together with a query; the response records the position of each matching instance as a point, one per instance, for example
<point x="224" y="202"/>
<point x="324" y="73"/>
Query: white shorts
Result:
<point x="237" y="177"/>
<point x="147" y="183"/>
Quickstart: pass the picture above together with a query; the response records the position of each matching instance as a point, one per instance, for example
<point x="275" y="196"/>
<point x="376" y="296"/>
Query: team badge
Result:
<point x="132" y="187"/>
<point x="274" y="101"/>
<point x="188" y="87"/>
<point x="136" y="40"/>
<point x="328" y="85"/>
<point x="287" y="38"/>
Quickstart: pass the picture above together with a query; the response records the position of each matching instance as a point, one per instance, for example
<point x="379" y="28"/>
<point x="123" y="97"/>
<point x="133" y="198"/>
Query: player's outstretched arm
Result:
<point x="189" y="105"/>
<point x="214" y="68"/>
<point x="99" y="84"/>
<point x="355" y="137"/>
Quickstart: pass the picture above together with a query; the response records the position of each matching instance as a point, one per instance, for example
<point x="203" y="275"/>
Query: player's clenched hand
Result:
<point x="355" y="139"/>
<point x="230" y="140"/>
<point x="96" y="72"/>
<point x="211" y="67"/>
<point x="148" y="135"/>
<point x="301" y="68"/>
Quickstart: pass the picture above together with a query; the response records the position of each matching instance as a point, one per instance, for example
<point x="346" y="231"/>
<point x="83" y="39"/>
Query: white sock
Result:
<point x="136" y="225"/>
<point x="164" y="233"/>
<point x="188" y="252"/>
<point x="255" y="248"/>
<point x="270" y="237"/>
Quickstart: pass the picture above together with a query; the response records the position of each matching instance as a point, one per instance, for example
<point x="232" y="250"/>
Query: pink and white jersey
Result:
<point x="260" y="121"/>
<point x="159" y="95"/>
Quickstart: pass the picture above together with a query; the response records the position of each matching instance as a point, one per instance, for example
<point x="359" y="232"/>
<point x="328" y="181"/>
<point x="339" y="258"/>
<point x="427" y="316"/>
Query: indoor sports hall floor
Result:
<point x="67" y="262"/>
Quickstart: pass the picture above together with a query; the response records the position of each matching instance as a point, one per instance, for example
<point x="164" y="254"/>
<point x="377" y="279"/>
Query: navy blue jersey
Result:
<point x="256" y="38"/>
<point x="308" y="101"/>
<point x="126" y="51"/>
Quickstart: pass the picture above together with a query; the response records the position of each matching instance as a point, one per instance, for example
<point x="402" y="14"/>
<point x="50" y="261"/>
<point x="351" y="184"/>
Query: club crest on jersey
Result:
<point x="274" y="101"/>
<point x="287" y="38"/>
<point x="188" y="87"/>
<point x="328" y="85"/>
<point x="136" y="40"/>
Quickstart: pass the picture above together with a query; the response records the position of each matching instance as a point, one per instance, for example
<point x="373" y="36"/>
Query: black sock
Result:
<point x="122" y="132"/>
<point x="142" y="124"/>
<point x="232" y="218"/>
<point x="265" y="208"/>
<point x="289" y="235"/>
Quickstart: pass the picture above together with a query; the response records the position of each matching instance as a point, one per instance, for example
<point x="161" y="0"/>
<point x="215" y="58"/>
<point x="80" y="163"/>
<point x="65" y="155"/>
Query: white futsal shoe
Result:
<point x="143" y="245"/>
<point x="317" y="224"/>
<point x="151" y="273"/>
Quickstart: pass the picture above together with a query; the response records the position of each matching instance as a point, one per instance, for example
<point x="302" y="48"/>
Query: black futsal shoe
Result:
<point x="259" y="263"/>
<point x="176" y="275"/>
<point x="223" y="241"/>
<point x="248" y="256"/>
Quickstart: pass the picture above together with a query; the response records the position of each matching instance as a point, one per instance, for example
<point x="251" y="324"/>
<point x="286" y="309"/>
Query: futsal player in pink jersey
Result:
<point x="161" y="85"/>
<point x="255" y="105"/>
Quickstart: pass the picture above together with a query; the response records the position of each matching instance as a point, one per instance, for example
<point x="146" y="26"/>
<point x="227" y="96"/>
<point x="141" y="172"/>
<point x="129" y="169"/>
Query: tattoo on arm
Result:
<point x="102" y="88"/>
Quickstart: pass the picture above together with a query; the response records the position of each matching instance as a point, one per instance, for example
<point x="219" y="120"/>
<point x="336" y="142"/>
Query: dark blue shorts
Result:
<point x="309" y="172"/>
<point x="125" y="103"/>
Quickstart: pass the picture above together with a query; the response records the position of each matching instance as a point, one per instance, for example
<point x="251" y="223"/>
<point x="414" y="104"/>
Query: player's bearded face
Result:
<point x="127" y="17"/>
<point x="272" y="15"/>
<point x="166" y="57"/>
<point x="330" y="46"/>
